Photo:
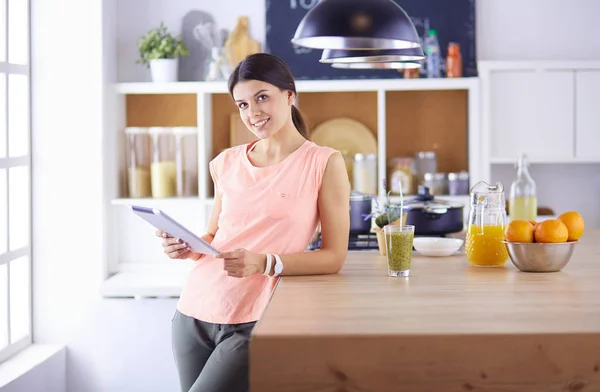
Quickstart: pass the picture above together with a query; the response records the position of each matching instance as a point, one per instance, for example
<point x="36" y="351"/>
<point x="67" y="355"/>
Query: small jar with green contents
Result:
<point x="399" y="247"/>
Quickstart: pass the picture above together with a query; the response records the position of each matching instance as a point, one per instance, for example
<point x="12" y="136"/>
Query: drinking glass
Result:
<point x="399" y="246"/>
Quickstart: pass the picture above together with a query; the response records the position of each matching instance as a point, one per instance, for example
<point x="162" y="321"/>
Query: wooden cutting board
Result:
<point x="345" y="135"/>
<point x="239" y="44"/>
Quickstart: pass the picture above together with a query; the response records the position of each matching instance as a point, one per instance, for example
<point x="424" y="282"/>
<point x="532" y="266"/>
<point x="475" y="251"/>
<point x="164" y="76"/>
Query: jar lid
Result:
<point x="462" y="176"/>
<point x="425" y="154"/>
<point x="136" y="130"/>
<point x="434" y="176"/>
<point x="362" y="157"/>
<point x="160" y="130"/>
<point x="359" y="196"/>
<point x="401" y="161"/>
<point x="184" y="130"/>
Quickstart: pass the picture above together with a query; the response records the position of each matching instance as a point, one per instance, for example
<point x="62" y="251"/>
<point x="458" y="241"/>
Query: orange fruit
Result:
<point x="551" y="230"/>
<point x="574" y="222"/>
<point x="519" y="231"/>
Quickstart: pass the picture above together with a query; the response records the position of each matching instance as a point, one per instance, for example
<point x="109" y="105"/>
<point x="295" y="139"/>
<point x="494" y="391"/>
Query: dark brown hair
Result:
<point x="270" y="69"/>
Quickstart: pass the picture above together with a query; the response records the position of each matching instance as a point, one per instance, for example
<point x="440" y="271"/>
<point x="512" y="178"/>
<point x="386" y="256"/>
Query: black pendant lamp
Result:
<point x="392" y="65"/>
<point x="356" y="25"/>
<point x="331" y="56"/>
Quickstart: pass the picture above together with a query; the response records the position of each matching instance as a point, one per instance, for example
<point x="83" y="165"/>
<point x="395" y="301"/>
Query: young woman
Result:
<point x="269" y="197"/>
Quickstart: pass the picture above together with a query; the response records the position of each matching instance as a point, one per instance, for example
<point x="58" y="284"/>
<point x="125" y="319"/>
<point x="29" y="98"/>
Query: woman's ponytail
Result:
<point x="299" y="122"/>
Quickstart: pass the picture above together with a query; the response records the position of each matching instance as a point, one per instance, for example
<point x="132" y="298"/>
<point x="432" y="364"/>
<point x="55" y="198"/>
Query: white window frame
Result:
<point x="6" y="69"/>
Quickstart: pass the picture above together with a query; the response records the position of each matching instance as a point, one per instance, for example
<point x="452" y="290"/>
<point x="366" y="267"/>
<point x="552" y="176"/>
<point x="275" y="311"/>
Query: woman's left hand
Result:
<point x="240" y="263"/>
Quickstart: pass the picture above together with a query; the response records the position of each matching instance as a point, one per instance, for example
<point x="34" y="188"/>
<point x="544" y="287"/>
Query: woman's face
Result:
<point x="264" y="108"/>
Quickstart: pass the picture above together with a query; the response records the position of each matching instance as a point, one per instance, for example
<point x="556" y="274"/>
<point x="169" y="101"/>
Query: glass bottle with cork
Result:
<point x="522" y="203"/>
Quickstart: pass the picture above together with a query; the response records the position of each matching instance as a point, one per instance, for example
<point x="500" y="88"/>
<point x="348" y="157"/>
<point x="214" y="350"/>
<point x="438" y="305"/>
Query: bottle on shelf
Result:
<point x="433" y="54"/>
<point x="453" y="61"/>
<point x="522" y="203"/>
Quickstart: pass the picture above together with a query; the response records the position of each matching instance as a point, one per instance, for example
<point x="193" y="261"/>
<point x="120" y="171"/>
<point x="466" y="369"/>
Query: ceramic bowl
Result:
<point x="437" y="246"/>
<point x="539" y="257"/>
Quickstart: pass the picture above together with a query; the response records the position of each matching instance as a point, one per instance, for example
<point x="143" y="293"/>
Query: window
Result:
<point x="15" y="178"/>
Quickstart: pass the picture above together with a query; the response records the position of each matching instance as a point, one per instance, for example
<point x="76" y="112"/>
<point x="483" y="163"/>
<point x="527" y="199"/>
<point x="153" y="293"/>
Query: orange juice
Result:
<point x="486" y="250"/>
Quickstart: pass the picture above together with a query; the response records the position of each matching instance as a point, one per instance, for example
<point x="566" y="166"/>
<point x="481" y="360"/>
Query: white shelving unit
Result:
<point x="136" y="257"/>
<point x="204" y="90"/>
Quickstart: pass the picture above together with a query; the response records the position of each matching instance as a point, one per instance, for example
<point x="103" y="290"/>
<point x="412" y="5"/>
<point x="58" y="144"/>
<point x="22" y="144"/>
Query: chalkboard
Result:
<point x="454" y="21"/>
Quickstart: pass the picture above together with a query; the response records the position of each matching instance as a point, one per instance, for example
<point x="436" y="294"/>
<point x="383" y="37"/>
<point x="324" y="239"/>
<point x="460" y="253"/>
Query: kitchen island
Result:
<point x="449" y="327"/>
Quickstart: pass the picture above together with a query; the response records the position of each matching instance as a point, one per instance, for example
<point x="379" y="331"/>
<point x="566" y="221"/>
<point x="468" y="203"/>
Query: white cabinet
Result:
<point x="587" y="114"/>
<point x="531" y="112"/>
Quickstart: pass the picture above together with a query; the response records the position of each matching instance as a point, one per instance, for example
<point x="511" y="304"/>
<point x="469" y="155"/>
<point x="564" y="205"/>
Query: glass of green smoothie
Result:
<point x="399" y="246"/>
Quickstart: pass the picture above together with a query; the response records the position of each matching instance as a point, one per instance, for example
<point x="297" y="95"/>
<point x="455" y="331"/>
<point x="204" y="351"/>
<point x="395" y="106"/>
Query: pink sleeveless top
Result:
<point x="269" y="209"/>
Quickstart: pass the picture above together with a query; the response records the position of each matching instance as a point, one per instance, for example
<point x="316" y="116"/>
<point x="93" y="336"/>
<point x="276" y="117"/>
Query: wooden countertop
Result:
<point x="449" y="327"/>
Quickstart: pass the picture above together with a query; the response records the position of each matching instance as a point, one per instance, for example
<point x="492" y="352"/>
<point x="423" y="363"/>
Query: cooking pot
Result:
<point x="360" y="207"/>
<point x="432" y="216"/>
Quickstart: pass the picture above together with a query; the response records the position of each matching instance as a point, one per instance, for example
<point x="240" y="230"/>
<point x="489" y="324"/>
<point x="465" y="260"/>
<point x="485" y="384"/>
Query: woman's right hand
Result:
<point x="175" y="248"/>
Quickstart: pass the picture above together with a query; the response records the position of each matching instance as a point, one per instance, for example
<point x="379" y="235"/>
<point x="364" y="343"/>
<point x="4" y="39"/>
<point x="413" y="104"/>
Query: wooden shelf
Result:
<point x="161" y="110"/>
<point x="347" y="85"/>
<point x="317" y="108"/>
<point x="429" y="121"/>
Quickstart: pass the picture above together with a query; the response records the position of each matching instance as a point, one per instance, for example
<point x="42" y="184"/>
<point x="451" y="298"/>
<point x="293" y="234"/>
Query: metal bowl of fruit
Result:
<point x="540" y="257"/>
<point x="545" y="246"/>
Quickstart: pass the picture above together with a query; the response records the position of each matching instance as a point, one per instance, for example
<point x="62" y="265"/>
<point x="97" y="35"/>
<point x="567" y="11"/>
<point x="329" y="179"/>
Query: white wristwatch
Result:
<point x="278" y="268"/>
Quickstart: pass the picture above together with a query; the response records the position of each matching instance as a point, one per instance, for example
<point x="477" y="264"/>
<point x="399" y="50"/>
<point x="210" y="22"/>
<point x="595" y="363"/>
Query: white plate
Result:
<point x="437" y="247"/>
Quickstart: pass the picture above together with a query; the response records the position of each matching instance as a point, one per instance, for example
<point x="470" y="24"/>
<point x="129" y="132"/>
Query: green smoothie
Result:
<point x="399" y="250"/>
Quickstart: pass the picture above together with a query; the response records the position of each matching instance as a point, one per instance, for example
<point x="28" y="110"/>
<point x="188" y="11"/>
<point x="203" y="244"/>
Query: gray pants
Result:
<point x="210" y="357"/>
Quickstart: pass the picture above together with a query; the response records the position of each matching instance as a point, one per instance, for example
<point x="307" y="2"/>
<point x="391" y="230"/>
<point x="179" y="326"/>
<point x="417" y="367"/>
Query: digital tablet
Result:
<point x="164" y="222"/>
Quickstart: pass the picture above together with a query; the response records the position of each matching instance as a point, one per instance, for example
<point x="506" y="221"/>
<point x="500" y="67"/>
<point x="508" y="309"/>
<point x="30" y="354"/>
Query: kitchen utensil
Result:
<point x="345" y="134"/>
<point x="360" y="206"/>
<point x="239" y="44"/>
<point x="539" y="257"/>
<point x="436" y="246"/>
<point x="238" y="132"/>
<point x="485" y="232"/>
<point x="432" y="216"/>
<point x="194" y="67"/>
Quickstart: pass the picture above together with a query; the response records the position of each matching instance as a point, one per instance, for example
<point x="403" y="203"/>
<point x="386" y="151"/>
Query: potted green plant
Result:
<point x="159" y="51"/>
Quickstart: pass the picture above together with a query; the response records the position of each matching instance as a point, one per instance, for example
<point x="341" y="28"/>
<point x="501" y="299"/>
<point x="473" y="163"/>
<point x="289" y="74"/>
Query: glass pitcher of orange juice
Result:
<point x="487" y="220"/>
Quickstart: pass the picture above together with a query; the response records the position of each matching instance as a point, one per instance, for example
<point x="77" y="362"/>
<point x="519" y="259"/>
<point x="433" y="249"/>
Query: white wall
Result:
<point x="118" y="345"/>
<point x="124" y="345"/>
<point x="537" y="29"/>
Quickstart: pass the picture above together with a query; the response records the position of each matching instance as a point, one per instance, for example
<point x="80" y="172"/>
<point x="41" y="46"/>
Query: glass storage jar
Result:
<point x="163" y="168"/>
<point x="137" y="147"/>
<point x="401" y="178"/>
<point x="365" y="173"/>
<point x="186" y="159"/>
<point x="458" y="183"/>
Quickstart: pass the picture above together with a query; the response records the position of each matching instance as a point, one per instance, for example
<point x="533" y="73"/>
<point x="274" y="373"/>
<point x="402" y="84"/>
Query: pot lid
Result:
<point x="424" y="199"/>
<point x="359" y="196"/>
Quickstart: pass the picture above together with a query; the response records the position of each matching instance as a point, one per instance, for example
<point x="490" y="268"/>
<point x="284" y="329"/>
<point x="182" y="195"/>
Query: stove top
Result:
<point x="358" y="242"/>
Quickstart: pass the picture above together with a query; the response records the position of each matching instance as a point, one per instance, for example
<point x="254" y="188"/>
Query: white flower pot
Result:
<point x="164" y="70"/>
